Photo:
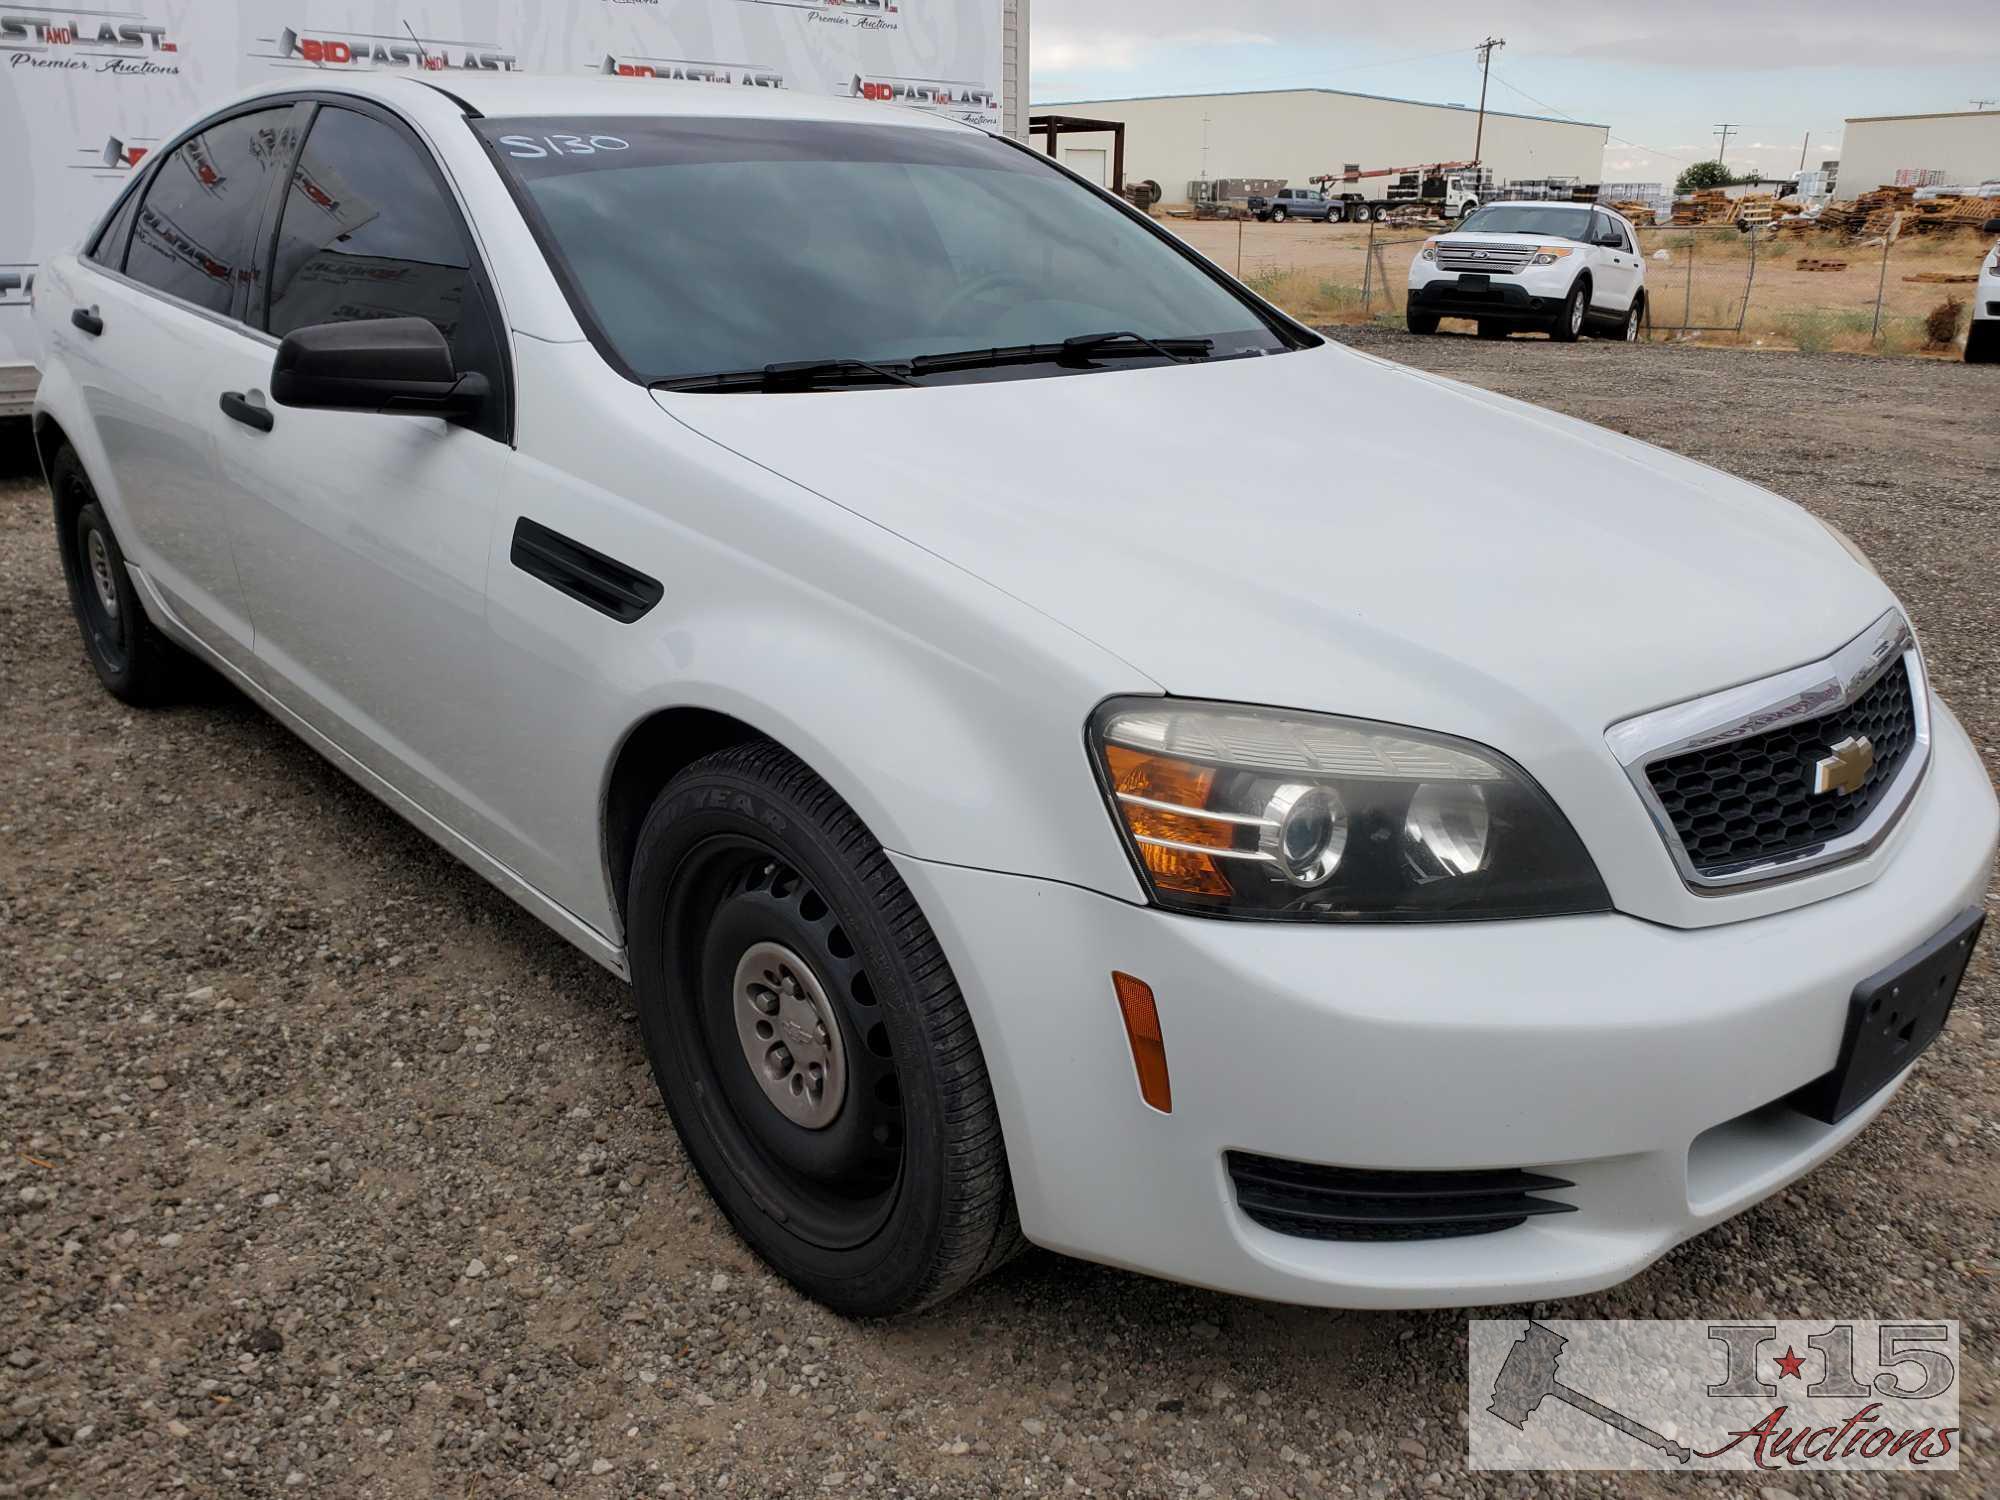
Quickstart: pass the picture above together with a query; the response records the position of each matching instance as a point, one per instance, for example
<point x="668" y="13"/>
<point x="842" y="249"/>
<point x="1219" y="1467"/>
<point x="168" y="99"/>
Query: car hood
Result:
<point x="1476" y="237"/>
<point x="1330" y="531"/>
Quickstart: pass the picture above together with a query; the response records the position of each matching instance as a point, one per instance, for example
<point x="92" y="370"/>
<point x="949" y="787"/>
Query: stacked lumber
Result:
<point x="1819" y="263"/>
<point x="1633" y="209"/>
<point x="1944" y="278"/>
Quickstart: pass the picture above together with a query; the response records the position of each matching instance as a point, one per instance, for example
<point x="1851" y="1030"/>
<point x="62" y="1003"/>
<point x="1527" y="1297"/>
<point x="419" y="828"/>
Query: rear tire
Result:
<point x="1635" y="318"/>
<point x="1982" y="342"/>
<point x="1420" y="322"/>
<point x="858" y="1150"/>
<point x="135" y="662"/>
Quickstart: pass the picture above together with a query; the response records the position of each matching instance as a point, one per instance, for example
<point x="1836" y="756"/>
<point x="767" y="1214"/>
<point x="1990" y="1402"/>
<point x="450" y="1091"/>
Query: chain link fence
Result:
<point x="1817" y="292"/>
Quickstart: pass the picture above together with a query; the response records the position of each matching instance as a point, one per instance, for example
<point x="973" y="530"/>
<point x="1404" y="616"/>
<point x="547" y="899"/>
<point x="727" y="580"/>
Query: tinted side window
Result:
<point x="194" y="232"/>
<point x="367" y="233"/>
<point x="109" y="251"/>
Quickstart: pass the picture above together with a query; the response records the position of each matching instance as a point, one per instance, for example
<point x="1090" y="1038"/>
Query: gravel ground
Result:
<point x="326" y="1172"/>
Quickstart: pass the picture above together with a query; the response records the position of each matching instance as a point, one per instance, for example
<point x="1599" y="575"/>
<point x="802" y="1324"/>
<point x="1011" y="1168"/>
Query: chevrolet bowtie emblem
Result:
<point x="1845" y="770"/>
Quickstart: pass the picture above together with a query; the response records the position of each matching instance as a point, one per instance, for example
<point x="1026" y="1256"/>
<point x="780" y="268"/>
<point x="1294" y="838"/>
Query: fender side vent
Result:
<point x="1347" y="1203"/>
<point x="586" y="575"/>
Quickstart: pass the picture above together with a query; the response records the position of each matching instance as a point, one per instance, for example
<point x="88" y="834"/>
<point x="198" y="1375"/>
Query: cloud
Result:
<point x="1058" y="49"/>
<point x="1712" y="35"/>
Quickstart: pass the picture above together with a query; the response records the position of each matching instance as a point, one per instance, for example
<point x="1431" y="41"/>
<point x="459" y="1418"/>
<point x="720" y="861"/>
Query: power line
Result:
<point x="1574" y="120"/>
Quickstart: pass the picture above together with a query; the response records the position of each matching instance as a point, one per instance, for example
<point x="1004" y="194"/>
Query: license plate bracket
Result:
<point x="1891" y="1018"/>
<point x="1475" y="281"/>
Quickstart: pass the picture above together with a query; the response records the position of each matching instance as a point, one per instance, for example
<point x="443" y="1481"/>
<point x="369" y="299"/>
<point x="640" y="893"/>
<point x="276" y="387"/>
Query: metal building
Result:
<point x="1919" y="150"/>
<point x="1296" y="134"/>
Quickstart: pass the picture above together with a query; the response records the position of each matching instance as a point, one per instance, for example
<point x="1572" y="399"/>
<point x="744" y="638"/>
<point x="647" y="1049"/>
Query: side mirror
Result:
<point x="1611" y="241"/>
<point x="375" y="364"/>
<point x="1991" y="226"/>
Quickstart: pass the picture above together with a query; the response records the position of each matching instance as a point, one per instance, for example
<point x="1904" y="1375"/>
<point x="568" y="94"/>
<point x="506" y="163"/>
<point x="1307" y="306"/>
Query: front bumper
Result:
<point x="1504" y="299"/>
<point x="1644" y="1064"/>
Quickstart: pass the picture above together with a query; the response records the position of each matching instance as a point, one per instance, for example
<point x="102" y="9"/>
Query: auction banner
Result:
<point x="87" y="93"/>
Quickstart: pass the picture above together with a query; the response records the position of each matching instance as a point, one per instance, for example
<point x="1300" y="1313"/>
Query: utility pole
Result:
<point x="1980" y="104"/>
<point x="1802" y="153"/>
<point x="1485" y="49"/>
<point x="1725" y="131"/>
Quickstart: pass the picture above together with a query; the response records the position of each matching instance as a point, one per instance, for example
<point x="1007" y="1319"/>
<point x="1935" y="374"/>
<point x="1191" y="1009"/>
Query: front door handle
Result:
<point x="239" y="410"/>
<point x="87" y="319"/>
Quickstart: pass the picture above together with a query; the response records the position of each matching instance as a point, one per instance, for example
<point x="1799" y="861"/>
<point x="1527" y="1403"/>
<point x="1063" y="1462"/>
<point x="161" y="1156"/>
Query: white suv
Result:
<point x="1373" y="896"/>
<point x="1982" y="340"/>
<point x="1564" y="268"/>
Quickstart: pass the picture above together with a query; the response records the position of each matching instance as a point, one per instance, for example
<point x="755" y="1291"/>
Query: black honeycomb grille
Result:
<point x="1753" y="799"/>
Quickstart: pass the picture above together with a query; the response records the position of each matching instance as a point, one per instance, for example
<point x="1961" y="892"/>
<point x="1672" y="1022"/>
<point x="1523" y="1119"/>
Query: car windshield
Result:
<point x="1530" y="218"/>
<point x="694" y="247"/>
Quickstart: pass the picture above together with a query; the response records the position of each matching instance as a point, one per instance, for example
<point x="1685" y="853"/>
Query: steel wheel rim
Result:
<point x="100" y="574"/>
<point x="839" y="1182"/>
<point x="791" y="1037"/>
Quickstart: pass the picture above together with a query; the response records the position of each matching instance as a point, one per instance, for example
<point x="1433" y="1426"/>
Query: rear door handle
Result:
<point x="87" y="319"/>
<point x="239" y="410"/>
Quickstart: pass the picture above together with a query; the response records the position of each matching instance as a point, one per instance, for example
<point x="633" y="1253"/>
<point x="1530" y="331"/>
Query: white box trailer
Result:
<point x="88" y="91"/>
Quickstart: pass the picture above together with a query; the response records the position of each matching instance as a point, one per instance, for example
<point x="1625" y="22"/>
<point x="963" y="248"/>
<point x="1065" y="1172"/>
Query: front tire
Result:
<point x="1278" y="216"/>
<point x="810" y="1041"/>
<point x="136" y="664"/>
<point x="1568" y="326"/>
<point x="1420" y="322"/>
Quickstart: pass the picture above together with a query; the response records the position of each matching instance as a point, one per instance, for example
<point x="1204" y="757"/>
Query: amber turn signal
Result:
<point x="1149" y="1048"/>
<point x="1148" y="789"/>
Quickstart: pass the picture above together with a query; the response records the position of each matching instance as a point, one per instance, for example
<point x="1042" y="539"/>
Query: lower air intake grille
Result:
<point x="1347" y="1203"/>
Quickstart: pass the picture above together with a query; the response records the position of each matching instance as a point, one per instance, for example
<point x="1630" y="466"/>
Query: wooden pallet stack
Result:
<point x="1869" y="216"/>
<point x="1819" y="263"/>
<point x="1637" y="212"/>
<point x="1948" y="215"/>
<point x="1705" y="207"/>
<point x="1754" y="210"/>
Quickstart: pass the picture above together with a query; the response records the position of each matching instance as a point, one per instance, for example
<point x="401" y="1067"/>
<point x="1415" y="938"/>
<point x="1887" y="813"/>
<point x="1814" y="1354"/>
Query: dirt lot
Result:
<point x="325" y="1172"/>
<point x="1317" y="271"/>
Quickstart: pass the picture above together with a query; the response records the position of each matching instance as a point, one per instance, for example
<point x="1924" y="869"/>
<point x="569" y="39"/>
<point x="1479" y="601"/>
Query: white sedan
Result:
<point x="766" y="537"/>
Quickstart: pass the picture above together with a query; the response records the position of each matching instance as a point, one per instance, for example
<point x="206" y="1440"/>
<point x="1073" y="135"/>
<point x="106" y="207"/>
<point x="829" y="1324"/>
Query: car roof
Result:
<point x="505" y="95"/>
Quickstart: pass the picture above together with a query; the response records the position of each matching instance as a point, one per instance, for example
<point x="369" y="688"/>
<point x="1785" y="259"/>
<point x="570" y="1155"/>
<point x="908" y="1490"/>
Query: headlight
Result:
<point x="1254" y="812"/>
<point x="1429" y="252"/>
<point x="1548" y="255"/>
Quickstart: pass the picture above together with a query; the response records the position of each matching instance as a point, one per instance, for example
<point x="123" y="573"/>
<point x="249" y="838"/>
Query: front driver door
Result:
<point x="362" y="539"/>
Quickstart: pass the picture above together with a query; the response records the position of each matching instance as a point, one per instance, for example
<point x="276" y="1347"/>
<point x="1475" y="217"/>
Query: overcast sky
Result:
<point x="1662" y="75"/>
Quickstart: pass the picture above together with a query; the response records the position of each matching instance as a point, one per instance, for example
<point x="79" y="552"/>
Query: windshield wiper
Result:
<point x="799" y="375"/>
<point x="1082" y="348"/>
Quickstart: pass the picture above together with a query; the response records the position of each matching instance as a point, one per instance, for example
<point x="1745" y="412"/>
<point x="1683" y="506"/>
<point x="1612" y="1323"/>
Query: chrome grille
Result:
<point x="1499" y="260"/>
<point x="1753" y="799"/>
<point x="1760" y="781"/>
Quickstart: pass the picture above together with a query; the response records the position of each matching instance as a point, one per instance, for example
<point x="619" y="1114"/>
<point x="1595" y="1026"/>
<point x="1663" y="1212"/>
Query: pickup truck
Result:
<point x="1297" y="203"/>
<point x="1563" y="268"/>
